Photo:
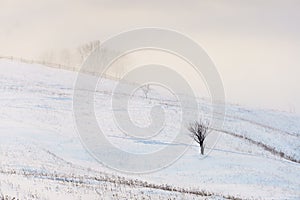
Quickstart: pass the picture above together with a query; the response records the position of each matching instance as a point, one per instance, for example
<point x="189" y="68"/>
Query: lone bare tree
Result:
<point x="86" y="49"/>
<point x="199" y="131"/>
<point x="146" y="90"/>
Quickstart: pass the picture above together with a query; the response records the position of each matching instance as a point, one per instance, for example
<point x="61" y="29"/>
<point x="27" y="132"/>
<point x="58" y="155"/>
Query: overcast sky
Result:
<point x="254" y="44"/>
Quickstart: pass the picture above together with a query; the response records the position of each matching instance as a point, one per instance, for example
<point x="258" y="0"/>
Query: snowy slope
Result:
<point x="256" y="157"/>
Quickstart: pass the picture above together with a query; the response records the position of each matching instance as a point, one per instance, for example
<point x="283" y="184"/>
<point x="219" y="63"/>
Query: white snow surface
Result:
<point x="41" y="155"/>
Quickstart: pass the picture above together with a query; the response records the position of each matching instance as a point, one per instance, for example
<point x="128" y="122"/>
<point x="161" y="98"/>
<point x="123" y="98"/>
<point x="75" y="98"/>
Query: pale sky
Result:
<point x="255" y="44"/>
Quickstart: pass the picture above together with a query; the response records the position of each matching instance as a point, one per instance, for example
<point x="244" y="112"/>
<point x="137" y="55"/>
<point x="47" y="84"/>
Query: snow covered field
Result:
<point x="41" y="156"/>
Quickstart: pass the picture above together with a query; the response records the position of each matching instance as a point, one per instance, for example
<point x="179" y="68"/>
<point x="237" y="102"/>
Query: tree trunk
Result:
<point x="202" y="149"/>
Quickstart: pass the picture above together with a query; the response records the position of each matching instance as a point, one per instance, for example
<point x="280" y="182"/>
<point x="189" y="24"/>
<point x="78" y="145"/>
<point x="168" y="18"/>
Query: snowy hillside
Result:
<point x="41" y="156"/>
